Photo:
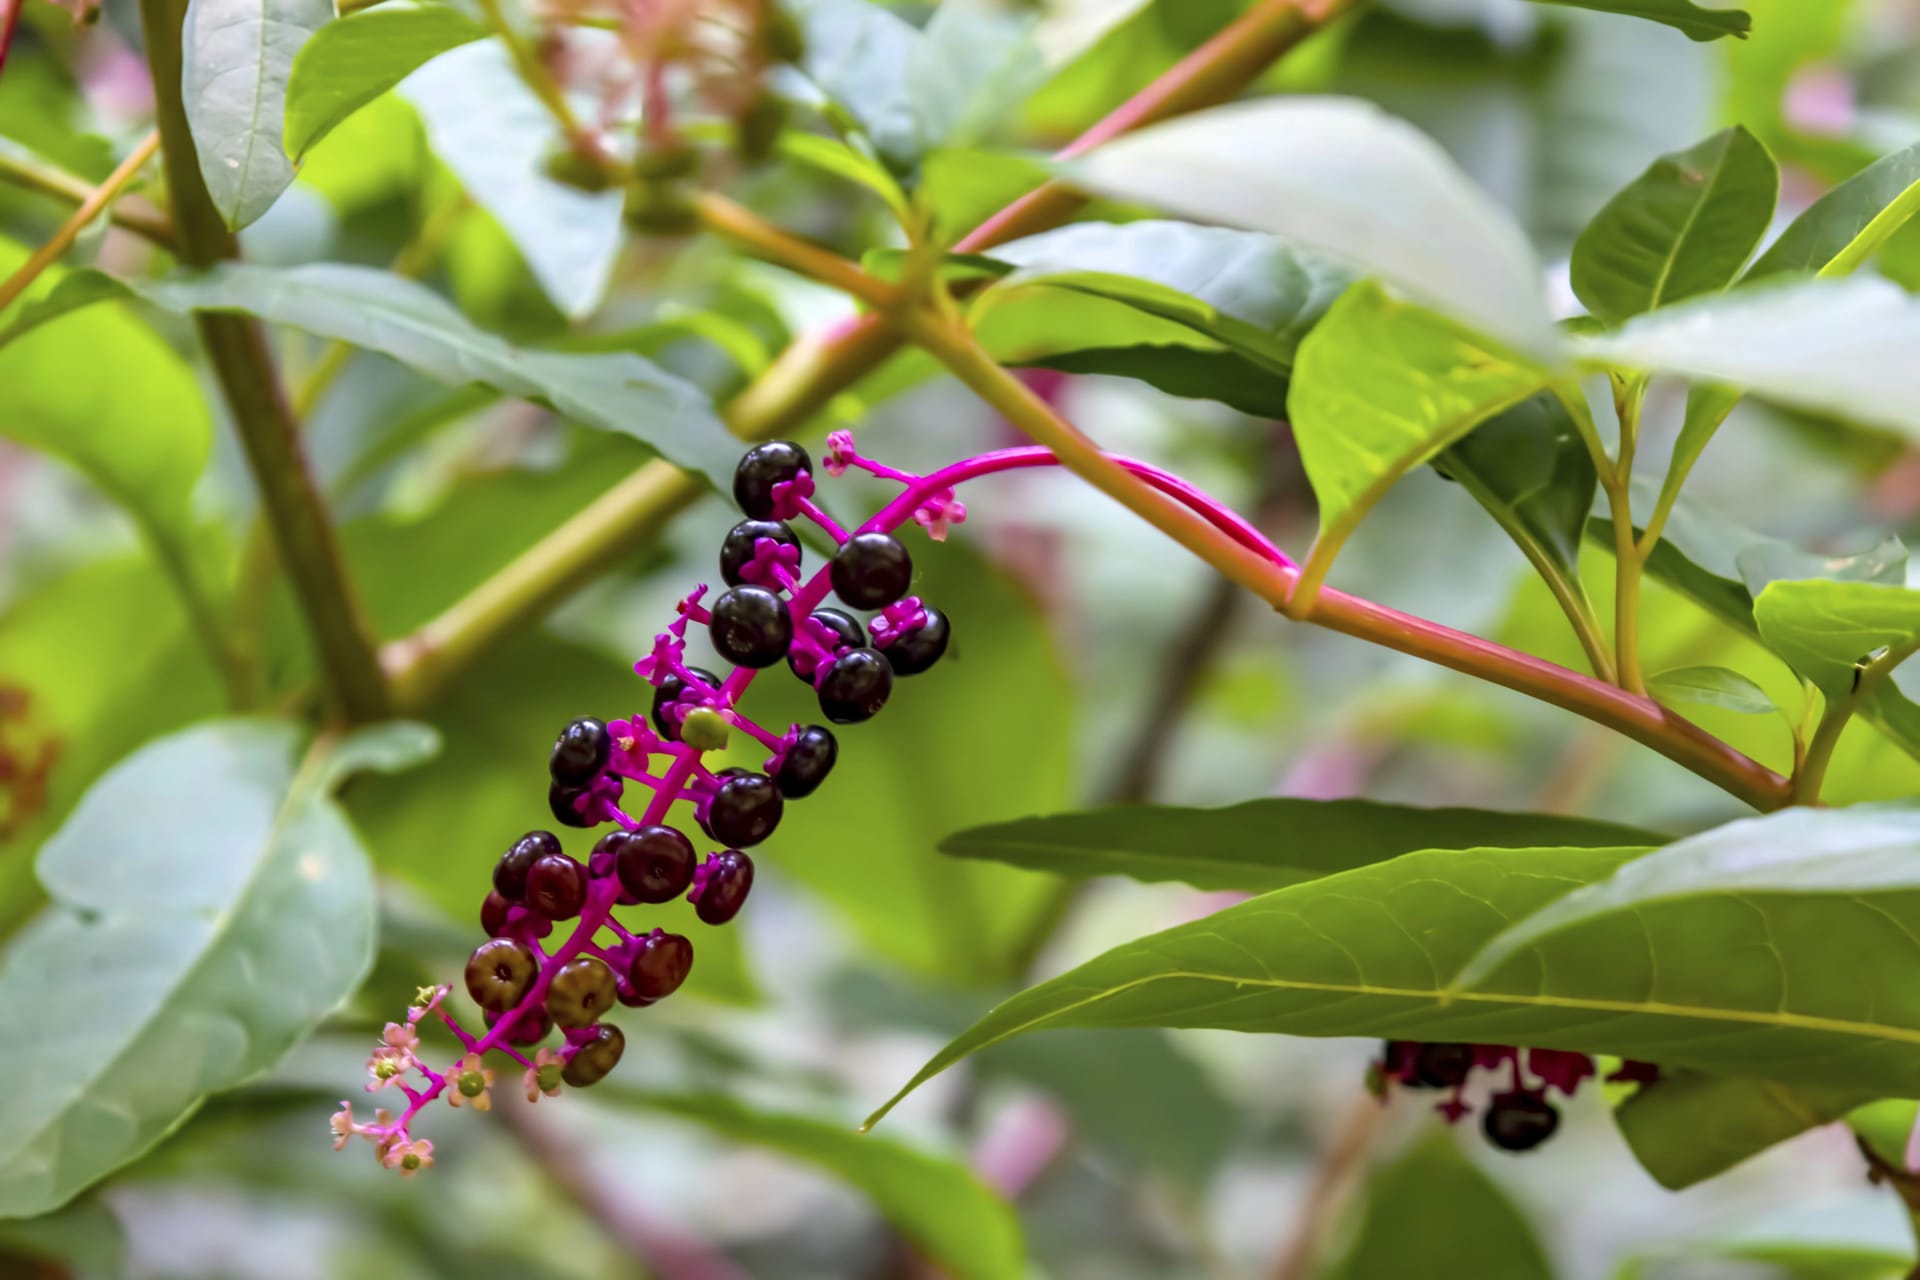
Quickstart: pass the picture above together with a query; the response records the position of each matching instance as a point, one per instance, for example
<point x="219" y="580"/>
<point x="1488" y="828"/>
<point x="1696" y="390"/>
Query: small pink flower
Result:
<point x="544" y="1075"/>
<point x="667" y="649"/>
<point x="789" y="494"/>
<point x="408" y="1157"/>
<point x="840" y="454"/>
<point x="470" y="1081"/>
<point x="940" y="513"/>
<point x="403" y="1039"/>
<point x="386" y="1068"/>
<point x="425" y="1001"/>
<point x="342" y="1125"/>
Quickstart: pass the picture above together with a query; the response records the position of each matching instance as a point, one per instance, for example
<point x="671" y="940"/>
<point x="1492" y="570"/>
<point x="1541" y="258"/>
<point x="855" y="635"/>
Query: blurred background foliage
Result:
<point x="1094" y="660"/>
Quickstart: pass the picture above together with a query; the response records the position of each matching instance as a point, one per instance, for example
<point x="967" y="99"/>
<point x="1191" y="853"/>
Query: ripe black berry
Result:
<point x="669" y="691"/>
<point x="856" y="686"/>
<point x="580" y="752"/>
<point x="595" y="1057"/>
<point x="557" y="887"/>
<point x="745" y="810"/>
<point x="921" y="647"/>
<point x="736" y="550"/>
<point x="1442" y="1066"/>
<point x="500" y="972"/>
<point x="655" y="864"/>
<point x="751" y="627"/>
<point x="580" y="992"/>
<point x="847" y="634"/>
<point x="808" y="762"/>
<point x="763" y="467"/>
<point x="493" y="914"/>
<point x="660" y="964"/>
<point x="871" y="570"/>
<point x="510" y="873"/>
<point x="1519" y="1121"/>
<point x="729" y="877"/>
<point x="565" y="803"/>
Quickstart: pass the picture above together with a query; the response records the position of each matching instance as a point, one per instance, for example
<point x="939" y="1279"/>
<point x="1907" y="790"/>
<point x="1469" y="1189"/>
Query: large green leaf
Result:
<point x="935" y="1202"/>
<point x="1339" y="175"/>
<point x="1263" y="844"/>
<point x="1684" y="227"/>
<point x="1711" y="687"/>
<point x="1433" y="1203"/>
<point x="183" y="955"/>
<point x="1681" y="15"/>
<point x="1824" y="628"/>
<point x="1381" y="387"/>
<point x="1848" y="224"/>
<point x="349" y="63"/>
<point x="1687" y="1126"/>
<point x="238" y="55"/>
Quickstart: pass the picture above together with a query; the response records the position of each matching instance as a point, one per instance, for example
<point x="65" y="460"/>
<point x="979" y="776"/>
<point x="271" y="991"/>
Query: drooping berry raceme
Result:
<point x="1519" y="1116"/>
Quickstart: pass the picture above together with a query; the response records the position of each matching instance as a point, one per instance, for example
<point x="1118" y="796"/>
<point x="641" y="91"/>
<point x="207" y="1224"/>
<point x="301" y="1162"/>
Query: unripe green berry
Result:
<point x="471" y="1084"/>
<point x="660" y="209"/>
<point x="780" y="36"/>
<point x="581" y="172"/>
<point x="759" y="126"/>
<point x="705" y="729"/>
<point x="671" y="160"/>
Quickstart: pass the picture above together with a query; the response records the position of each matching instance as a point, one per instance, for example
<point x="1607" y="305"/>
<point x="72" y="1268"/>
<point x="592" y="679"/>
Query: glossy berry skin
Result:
<point x="745" y="810"/>
<point x="660" y="964"/>
<point x="847" y="634"/>
<point x="510" y="873"/>
<point x="729" y="878"/>
<point x="855" y="687"/>
<point x="670" y="689"/>
<point x="655" y="864"/>
<point x="581" y="992"/>
<point x="736" y="549"/>
<point x="580" y="752"/>
<point x="500" y="972"/>
<point x="595" y="1057"/>
<point x="871" y="570"/>
<point x="557" y="887"/>
<point x="493" y="914"/>
<point x="808" y="762"/>
<point x="763" y="467"/>
<point x="1443" y="1066"/>
<point x="751" y="627"/>
<point x="530" y="1027"/>
<point x="920" y="648"/>
<point x="1519" y="1121"/>
<point x="565" y="803"/>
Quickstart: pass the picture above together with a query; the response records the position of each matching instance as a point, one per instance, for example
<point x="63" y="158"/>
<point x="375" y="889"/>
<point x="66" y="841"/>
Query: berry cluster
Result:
<point x="766" y="615"/>
<point x="1518" y="1117"/>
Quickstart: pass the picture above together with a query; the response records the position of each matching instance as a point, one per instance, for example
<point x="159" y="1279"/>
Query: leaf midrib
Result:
<point x="1686" y="228"/>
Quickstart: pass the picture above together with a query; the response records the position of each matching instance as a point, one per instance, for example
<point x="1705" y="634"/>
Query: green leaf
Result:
<point x="84" y="1236"/>
<point x="832" y="156"/>
<point x="1838" y="347"/>
<point x="1192" y="373"/>
<point x="1263" y="844"/>
<point x="238" y="57"/>
<point x="1681" y="15"/>
<point x="1343" y="177"/>
<point x="1688" y="1127"/>
<point x="1711" y="687"/>
<point x="351" y="62"/>
<point x="1381" y="387"/>
<point x="1708" y="405"/>
<point x="1684" y="227"/>
<point x="1847" y="225"/>
<point x="200" y="952"/>
<point x="1824" y="628"/>
<point x="936" y="1203"/>
<point x="1433" y="1203"/>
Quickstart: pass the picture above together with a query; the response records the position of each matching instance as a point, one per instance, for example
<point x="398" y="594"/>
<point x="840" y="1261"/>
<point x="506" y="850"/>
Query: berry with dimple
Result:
<point x="751" y="627"/>
<point x="655" y="864"/>
<point x="500" y="972"/>
<point x="510" y="873"/>
<point x="580" y="992"/>
<point x="763" y="467"/>
<point x="1519" y="1121"/>
<point x="493" y="914"/>
<point x="1442" y="1066"/>
<point x="565" y="803"/>
<point x="596" y="1056"/>
<point x="807" y="762"/>
<point x="919" y="648"/>
<point x="580" y="752"/>
<point x="847" y="634"/>
<point x="661" y="962"/>
<point x="737" y="548"/>
<point x="871" y="570"/>
<point x="557" y="887"/>
<point x="745" y="809"/>
<point x="669" y="692"/>
<point x="720" y="890"/>
<point x="855" y="687"/>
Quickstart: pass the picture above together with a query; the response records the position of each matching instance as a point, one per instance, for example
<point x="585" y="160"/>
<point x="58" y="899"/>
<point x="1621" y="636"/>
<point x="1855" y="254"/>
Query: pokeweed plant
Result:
<point x="1306" y="253"/>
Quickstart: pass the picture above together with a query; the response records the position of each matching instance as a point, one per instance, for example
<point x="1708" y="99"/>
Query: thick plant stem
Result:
<point x="89" y="208"/>
<point x="130" y="214"/>
<point x="243" y="365"/>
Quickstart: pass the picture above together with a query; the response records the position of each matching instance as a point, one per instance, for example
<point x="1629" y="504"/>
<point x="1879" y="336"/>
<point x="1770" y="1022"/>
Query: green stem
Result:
<point x="1627" y="558"/>
<point x="243" y="366"/>
<point x="175" y="562"/>
<point x="129" y="213"/>
<point x="1812" y="771"/>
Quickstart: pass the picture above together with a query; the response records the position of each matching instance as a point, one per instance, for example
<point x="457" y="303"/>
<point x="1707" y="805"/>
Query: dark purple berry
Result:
<point x="557" y="887"/>
<point x="661" y="962"/>
<point x="855" y="686"/>
<point x="580" y="752"/>
<point x="1519" y="1121"/>
<point x="729" y="877"/>
<point x="920" y="648"/>
<point x="736" y="550"/>
<point x="655" y="864"/>
<point x="1442" y="1066"/>
<point x="669" y="691"/>
<point x="500" y="972"/>
<point x="847" y="634"/>
<point x="493" y="914"/>
<point x="751" y="627"/>
<point x="565" y="802"/>
<point x="510" y="873"/>
<point x="763" y="467"/>
<point x="530" y="1026"/>
<point x="745" y="810"/>
<point x="807" y="762"/>
<point x="580" y="992"/>
<point x="595" y="1057"/>
<point x="871" y="570"/>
